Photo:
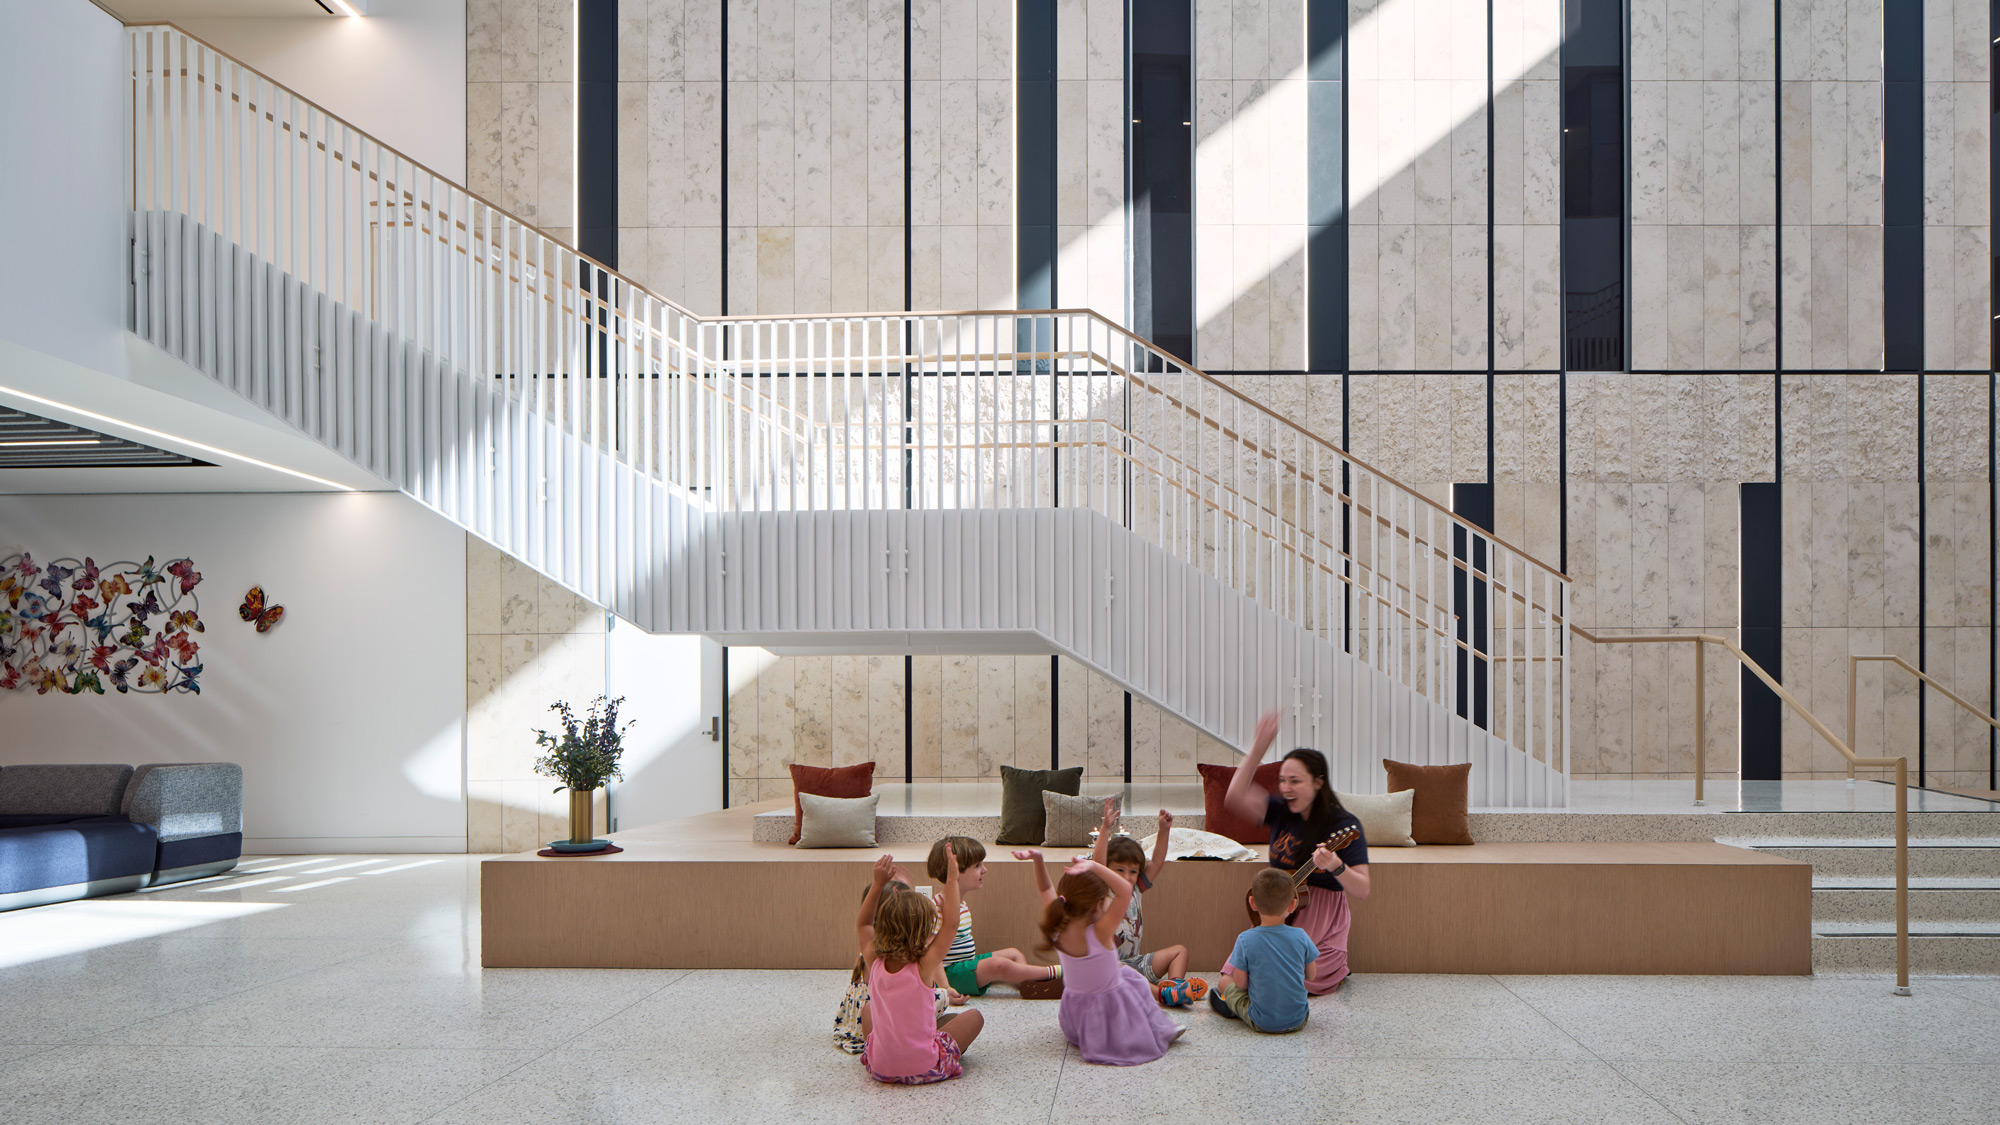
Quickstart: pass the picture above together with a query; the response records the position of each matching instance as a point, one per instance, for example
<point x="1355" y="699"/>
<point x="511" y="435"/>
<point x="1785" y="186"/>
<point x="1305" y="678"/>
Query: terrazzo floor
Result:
<point x="348" y="989"/>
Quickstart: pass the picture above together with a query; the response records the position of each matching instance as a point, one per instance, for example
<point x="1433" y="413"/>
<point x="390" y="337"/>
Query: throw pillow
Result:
<point x="1439" y="814"/>
<point x="1218" y="819"/>
<point x="1070" y="819"/>
<point x="837" y="822"/>
<point x="1022" y="818"/>
<point x="1193" y="843"/>
<point x="1384" y="817"/>
<point x="820" y="781"/>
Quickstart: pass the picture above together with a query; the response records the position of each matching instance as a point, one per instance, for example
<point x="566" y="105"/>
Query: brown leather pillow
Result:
<point x="1216" y="815"/>
<point x="1438" y="813"/>
<point x="840" y="781"/>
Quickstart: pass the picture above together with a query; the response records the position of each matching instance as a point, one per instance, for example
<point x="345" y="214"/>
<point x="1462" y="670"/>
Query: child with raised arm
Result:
<point x="902" y="1040"/>
<point x="1108" y="1011"/>
<point x="1264" y="983"/>
<point x="847" y="1019"/>
<point x="1164" y="969"/>
<point x="967" y="970"/>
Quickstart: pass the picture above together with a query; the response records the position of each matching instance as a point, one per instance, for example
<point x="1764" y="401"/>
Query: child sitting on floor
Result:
<point x="967" y="970"/>
<point x="902" y="946"/>
<point x="1266" y="984"/>
<point x="847" y="1021"/>
<point x="1108" y="1011"/>
<point x="1164" y="969"/>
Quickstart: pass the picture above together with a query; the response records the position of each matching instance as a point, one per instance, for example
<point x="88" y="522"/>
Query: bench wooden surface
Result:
<point x="698" y="893"/>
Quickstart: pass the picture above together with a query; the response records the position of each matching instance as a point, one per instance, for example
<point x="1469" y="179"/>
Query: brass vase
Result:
<point x="580" y="830"/>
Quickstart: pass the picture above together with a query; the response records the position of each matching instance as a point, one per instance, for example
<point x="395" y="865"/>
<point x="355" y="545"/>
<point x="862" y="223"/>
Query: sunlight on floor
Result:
<point x="74" y="927"/>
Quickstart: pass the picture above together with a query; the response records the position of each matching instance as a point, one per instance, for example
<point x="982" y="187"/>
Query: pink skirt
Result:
<point x="1325" y="920"/>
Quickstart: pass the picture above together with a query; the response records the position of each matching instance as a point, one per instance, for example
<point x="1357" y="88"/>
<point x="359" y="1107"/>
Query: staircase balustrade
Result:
<point x="621" y="444"/>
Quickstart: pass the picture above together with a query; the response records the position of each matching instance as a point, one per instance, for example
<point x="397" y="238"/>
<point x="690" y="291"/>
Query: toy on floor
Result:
<point x="1175" y="992"/>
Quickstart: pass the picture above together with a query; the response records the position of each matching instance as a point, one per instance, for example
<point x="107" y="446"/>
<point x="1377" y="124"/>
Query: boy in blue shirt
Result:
<point x="1266" y="987"/>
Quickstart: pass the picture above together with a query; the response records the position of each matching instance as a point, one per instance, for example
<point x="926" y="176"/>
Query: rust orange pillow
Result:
<point x="822" y="781"/>
<point x="1222" y="822"/>
<point x="1438" y="812"/>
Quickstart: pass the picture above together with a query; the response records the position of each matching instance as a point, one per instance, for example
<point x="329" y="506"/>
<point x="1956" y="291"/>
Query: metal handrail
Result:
<point x="1901" y="764"/>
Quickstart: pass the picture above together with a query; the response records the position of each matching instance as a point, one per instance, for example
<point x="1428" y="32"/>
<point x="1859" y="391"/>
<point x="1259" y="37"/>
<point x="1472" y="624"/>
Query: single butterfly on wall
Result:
<point x="253" y="609"/>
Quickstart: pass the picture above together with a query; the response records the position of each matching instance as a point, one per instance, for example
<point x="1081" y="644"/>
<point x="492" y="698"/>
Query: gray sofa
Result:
<point x="77" y="831"/>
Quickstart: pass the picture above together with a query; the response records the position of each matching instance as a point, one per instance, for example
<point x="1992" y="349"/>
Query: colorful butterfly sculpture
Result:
<point x="253" y="609"/>
<point x="78" y="628"/>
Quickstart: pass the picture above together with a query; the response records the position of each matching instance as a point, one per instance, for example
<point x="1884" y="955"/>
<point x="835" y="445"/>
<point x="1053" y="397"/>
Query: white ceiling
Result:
<point x="143" y="11"/>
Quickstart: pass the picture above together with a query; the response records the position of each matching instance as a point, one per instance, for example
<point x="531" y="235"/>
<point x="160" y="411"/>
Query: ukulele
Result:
<point x="1300" y="891"/>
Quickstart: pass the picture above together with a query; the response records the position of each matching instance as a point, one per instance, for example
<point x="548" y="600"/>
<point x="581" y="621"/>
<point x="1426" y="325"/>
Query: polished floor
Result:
<point x="348" y="989"/>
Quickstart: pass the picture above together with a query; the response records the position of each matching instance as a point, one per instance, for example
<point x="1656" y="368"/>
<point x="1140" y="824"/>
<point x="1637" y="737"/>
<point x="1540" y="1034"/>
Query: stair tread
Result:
<point x="1762" y="842"/>
<point x="1917" y="929"/>
<point x="1917" y="883"/>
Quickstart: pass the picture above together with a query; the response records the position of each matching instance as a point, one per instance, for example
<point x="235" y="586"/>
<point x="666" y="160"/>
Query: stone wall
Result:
<point x="1756" y="209"/>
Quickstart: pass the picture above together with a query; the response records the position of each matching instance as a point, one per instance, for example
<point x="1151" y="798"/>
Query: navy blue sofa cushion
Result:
<point x="36" y="820"/>
<point x="79" y="851"/>
<point x="199" y="849"/>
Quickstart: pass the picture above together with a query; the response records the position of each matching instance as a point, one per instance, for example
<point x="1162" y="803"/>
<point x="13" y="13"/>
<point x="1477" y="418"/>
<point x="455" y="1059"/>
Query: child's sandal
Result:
<point x="1049" y="988"/>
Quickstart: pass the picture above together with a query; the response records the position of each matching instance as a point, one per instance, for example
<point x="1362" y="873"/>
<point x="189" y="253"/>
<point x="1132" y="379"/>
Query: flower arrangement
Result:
<point x="583" y="756"/>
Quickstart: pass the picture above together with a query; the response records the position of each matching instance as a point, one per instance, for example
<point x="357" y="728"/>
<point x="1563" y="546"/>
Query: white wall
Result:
<point x="671" y="686"/>
<point x="347" y="718"/>
<point x="398" y="75"/>
<point x="63" y="201"/>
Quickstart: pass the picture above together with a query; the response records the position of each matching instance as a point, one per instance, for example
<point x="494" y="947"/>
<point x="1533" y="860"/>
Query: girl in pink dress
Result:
<point x="902" y="1041"/>
<point x="1108" y="1011"/>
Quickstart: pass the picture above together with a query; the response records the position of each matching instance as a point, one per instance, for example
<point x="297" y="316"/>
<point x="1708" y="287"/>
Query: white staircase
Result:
<point x="967" y="482"/>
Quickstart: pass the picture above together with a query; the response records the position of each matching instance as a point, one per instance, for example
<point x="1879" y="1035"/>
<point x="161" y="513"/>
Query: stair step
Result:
<point x="1888" y="929"/>
<point x="1877" y="859"/>
<point x="1832" y="842"/>
<point x="1956" y="900"/>
<point x="1871" y="948"/>
<point x="1917" y="883"/>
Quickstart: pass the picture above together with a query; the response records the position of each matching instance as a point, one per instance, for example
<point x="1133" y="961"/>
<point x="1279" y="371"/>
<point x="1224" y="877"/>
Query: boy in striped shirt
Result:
<point x="968" y="971"/>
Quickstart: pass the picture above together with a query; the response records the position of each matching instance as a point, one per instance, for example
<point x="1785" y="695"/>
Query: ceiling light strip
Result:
<point x="205" y="448"/>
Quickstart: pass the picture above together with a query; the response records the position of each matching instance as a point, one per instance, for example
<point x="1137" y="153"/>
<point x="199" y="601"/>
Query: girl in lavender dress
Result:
<point x="1108" y="1011"/>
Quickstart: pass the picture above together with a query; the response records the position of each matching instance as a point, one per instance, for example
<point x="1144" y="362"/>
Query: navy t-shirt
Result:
<point x="1293" y="838"/>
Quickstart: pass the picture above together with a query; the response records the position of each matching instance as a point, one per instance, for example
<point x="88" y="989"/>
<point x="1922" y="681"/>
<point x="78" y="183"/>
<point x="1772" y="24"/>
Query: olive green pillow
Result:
<point x="1022" y="819"/>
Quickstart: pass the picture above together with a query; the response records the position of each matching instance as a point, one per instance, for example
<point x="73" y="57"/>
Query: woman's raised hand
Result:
<point x="1267" y="730"/>
<point x="1028" y="854"/>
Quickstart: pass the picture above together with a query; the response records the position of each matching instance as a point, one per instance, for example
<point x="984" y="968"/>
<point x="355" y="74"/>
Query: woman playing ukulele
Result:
<point x="1302" y="814"/>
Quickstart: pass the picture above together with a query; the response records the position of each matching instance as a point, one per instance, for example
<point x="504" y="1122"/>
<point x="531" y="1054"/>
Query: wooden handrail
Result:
<point x="1854" y="664"/>
<point x="1901" y="764"/>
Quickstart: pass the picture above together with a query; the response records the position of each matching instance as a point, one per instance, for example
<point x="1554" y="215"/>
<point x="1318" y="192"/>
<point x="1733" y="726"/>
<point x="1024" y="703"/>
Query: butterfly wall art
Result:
<point x="77" y="627"/>
<point x="254" y="609"/>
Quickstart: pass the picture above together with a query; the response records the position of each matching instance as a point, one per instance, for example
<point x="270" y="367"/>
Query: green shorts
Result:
<point x="963" y="976"/>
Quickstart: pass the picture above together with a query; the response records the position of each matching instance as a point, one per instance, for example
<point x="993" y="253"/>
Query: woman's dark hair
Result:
<point x="1326" y="803"/>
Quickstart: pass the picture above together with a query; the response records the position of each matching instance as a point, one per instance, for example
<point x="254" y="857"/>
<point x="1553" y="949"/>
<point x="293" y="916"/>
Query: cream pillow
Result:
<point x="1193" y="843"/>
<point x="1384" y="817"/>
<point x="837" y="822"/>
<point x="1070" y="819"/>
